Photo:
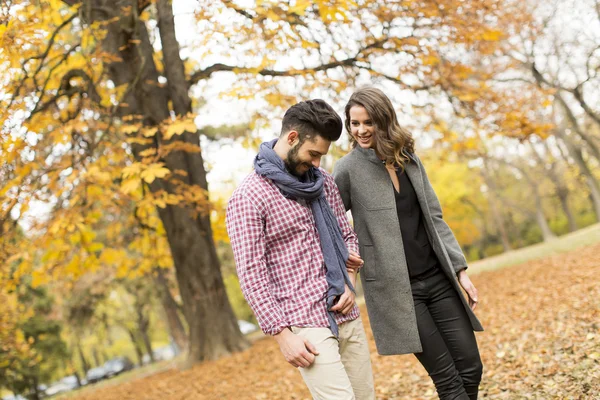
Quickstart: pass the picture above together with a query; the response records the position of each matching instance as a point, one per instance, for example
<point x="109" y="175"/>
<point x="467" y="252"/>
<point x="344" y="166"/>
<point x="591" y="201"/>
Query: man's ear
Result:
<point x="292" y="137"/>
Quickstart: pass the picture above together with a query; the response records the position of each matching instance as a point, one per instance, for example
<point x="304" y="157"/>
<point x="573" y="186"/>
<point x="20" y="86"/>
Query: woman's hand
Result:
<point x="466" y="284"/>
<point x="354" y="262"/>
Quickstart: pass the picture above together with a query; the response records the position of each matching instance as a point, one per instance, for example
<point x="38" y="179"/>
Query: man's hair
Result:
<point x="312" y="118"/>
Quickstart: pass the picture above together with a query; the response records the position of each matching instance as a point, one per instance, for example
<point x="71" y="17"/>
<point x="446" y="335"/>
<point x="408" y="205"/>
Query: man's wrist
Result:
<point x="352" y="275"/>
<point x="282" y="334"/>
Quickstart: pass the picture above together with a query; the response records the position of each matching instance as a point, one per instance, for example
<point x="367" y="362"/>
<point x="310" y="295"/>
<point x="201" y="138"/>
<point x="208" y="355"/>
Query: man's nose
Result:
<point x="316" y="162"/>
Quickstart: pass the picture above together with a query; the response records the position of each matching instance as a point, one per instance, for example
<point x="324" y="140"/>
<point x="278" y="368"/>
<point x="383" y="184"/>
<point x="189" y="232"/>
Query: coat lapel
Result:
<point x="414" y="174"/>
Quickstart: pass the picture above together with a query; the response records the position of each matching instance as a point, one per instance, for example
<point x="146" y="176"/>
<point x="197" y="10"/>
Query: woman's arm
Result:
<point x="457" y="258"/>
<point x="342" y="180"/>
<point x="455" y="253"/>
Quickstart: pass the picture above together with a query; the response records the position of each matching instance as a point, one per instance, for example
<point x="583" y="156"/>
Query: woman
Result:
<point x="413" y="266"/>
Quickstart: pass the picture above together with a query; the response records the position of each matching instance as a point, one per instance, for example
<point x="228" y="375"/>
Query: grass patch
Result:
<point x="571" y="241"/>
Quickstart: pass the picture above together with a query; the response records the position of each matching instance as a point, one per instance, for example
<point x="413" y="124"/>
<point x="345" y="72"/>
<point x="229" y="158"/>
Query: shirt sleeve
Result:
<point x="245" y="227"/>
<point x="334" y="199"/>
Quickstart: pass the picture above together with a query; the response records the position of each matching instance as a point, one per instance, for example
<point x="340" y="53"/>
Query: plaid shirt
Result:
<point x="278" y="254"/>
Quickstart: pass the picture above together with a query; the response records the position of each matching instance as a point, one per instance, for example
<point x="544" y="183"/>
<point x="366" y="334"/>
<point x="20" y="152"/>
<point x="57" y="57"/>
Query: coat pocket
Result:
<point x="370" y="267"/>
<point x="374" y="204"/>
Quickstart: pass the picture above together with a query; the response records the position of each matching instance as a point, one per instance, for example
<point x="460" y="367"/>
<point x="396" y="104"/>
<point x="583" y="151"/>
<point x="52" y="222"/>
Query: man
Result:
<point x="297" y="256"/>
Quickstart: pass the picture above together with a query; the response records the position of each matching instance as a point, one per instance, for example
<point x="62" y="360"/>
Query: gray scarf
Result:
<point x="310" y="188"/>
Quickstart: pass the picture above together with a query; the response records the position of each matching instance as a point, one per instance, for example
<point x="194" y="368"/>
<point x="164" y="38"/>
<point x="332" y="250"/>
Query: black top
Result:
<point x="420" y="257"/>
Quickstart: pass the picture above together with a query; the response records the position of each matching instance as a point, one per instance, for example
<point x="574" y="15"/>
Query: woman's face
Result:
<point x="361" y="127"/>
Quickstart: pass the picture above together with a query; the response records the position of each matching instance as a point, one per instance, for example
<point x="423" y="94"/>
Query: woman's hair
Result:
<point x="392" y="142"/>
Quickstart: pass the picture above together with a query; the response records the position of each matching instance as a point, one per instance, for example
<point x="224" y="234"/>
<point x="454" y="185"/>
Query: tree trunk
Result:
<point x="562" y="192"/>
<point x="538" y="213"/>
<point x="97" y="359"/>
<point x="589" y="141"/>
<point x="496" y="214"/>
<point x="107" y="329"/>
<point x="76" y="374"/>
<point x="138" y="352"/>
<point x="593" y="185"/>
<point x="563" y="197"/>
<point x="213" y="330"/>
<point x="499" y="220"/>
<point x="171" y="311"/>
<point x="571" y="118"/>
<point x="547" y="233"/>
<point x="485" y="237"/>
<point x="84" y="363"/>
<point x="143" y="325"/>
<point x="578" y="94"/>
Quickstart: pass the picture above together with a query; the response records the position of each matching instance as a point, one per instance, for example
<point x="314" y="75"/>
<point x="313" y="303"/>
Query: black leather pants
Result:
<point x="450" y="354"/>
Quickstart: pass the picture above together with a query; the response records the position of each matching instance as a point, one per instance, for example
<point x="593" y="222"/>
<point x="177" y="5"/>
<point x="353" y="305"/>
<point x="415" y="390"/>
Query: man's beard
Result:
<point x="293" y="162"/>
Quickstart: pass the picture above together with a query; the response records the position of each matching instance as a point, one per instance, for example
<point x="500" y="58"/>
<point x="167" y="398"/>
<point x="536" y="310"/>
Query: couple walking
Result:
<point x="297" y="256"/>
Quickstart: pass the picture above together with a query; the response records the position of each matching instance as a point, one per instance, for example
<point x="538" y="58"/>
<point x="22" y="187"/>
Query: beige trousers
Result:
<point x="342" y="370"/>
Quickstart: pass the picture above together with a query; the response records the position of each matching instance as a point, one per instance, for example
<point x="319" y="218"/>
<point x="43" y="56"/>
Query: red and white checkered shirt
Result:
<point x="278" y="254"/>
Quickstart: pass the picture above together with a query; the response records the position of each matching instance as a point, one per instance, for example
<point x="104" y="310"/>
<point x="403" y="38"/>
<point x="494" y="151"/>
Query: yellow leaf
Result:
<point x="177" y="128"/>
<point x="132" y="170"/>
<point x="430" y="60"/>
<point x="94" y="247"/>
<point x="272" y="15"/>
<point x="492" y="35"/>
<point x="300" y="7"/>
<point x="87" y="236"/>
<point x="122" y="271"/>
<point x="148" y="152"/>
<point x="74" y="265"/>
<point x="100" y="176"/>
<point x="468" y="96"/>
<point x="38" y="278"/>
<point x="149" y="132"/>
<point x="160" y="203"/>
<point x="129" y="186"/>
<point x="129" y="129"/>
<point x="155" y="170"/>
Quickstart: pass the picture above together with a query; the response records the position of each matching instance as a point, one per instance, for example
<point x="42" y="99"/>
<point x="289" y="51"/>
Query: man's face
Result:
<point x="301" y="157"/>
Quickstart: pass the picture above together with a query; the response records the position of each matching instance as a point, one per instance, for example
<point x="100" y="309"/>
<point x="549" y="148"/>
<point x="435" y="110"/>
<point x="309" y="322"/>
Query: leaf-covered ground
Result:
<point x="542" y="341"/>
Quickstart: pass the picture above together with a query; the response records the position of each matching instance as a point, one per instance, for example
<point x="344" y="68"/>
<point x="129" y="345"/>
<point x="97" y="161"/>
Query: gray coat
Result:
<point x="367" y="190"/>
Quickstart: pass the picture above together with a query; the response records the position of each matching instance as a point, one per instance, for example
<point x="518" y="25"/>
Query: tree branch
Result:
<point x="206" y="73"/>
<point x="40" y="57"/>
<point x="347" y="62"/>
<point x="66" y="89"/>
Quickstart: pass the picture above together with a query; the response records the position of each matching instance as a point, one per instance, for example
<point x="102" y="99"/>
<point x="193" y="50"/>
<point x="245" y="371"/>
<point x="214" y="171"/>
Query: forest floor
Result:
<point x="541" y="341"/>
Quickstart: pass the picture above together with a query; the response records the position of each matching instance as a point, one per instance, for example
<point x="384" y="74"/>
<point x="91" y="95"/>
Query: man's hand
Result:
<point x="346" y="301"/>
<point x="466" y="284"/>
<point x="354" y="262"/>
<point x="297" y="351"/>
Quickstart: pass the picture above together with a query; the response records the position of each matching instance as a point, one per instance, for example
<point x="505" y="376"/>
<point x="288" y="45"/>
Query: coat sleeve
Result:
<point x="335" y="201"/>
<point x="448" y="239"/>
<point x="342" y="180"/>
